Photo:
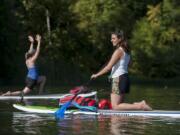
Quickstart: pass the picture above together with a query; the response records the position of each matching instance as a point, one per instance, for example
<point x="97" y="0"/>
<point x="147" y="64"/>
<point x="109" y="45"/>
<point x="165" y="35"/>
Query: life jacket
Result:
<point x="83" y="101"/>
<point x="65" y="99"/>
<point x="104" y="104"/>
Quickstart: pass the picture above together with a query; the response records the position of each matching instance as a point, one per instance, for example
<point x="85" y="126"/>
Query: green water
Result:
<point x="13" y="122"/>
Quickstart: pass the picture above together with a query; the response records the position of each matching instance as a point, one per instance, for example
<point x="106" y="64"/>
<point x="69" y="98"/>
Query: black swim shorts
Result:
<point x="30" y="83"/>
<point x="121" y="84"/>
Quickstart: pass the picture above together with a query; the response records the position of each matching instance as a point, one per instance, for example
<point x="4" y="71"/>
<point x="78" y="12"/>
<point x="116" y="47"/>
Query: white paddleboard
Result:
<point x="51" y="110"/>
<point x="49" y="96"/>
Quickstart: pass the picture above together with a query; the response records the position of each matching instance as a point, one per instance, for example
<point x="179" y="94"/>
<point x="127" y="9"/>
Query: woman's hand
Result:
<point x="38" y="38"/>
<point x="31" y="39"/>
<point x="94" y="76"/>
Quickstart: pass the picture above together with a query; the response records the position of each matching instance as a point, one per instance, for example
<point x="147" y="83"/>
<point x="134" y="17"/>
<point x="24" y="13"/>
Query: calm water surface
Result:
<point x="13" y="122"/>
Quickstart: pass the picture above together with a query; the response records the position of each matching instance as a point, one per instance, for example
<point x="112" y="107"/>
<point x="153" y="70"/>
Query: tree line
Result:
<point x="76" y="36"/>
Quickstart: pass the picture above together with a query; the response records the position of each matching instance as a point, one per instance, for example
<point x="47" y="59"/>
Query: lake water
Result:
<point x="13" y="122"/>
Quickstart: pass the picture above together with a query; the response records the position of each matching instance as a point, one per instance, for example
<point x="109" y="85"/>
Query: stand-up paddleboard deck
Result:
<point x="51" y="110"/>
<point x="49" y="96"/>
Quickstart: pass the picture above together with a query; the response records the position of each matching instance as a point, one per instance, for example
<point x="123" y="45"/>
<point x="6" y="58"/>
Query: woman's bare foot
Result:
<point x="7" y="93"/>
<point x="145" y="106"/>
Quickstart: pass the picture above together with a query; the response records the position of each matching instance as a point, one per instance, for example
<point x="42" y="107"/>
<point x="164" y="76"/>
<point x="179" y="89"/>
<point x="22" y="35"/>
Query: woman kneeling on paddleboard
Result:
<point x="32" y="77"/>
<point x="119" y="64"/>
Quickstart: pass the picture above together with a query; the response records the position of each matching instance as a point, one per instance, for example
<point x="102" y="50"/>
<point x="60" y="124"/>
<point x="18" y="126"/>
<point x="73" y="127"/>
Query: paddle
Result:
<point x="59" y="114"/>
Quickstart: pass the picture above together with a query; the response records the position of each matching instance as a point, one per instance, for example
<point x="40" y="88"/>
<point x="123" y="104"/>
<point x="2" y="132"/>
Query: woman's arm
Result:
<point x="32" y="43"/>
<point x="38" y="38"/>
<point x="114" y="59"/>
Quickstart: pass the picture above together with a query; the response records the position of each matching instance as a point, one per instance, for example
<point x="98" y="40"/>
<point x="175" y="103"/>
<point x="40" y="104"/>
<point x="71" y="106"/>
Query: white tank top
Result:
<point x="121" y="67"/>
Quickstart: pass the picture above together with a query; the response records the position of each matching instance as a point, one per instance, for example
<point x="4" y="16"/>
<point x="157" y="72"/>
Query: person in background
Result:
<point x="32" y="78"/>
<point x="118" y="64"/>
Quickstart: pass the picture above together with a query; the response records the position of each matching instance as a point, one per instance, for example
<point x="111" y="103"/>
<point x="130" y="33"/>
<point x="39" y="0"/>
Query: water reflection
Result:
<point x="77" y="124"/>
<point x="30" y="123"/>
<point x="129" y="125"/>
<point x="103" y="125"/>
<point x="25" y="123"/>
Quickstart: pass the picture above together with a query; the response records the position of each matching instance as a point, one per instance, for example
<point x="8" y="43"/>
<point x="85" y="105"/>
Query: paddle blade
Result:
<point x="59" y="114"/>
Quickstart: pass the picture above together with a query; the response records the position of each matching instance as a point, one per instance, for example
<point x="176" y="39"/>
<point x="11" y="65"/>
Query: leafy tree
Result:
<point x="97" y="19"/>
<point x="9" y="40"/>
<point x="155" y="41"/>
<point x="76" y="35"/>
